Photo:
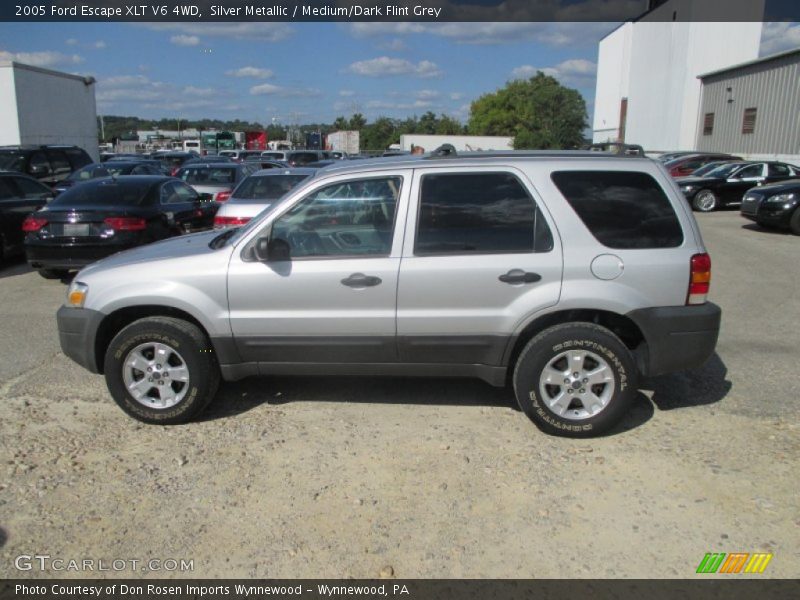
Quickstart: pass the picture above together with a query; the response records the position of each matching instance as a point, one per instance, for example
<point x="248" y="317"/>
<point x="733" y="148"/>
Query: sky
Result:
<point x="295" y="73"/>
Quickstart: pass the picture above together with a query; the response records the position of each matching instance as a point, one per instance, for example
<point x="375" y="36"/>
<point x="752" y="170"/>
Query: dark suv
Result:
<point x="48" y="164"/>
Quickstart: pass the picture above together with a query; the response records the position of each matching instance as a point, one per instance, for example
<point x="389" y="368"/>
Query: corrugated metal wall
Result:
<point x="773" y="88"/>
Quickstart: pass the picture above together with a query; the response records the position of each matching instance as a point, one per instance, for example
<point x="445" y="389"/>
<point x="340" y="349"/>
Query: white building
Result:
<point x="648" y="91"/>
<point x="40" y="106"/>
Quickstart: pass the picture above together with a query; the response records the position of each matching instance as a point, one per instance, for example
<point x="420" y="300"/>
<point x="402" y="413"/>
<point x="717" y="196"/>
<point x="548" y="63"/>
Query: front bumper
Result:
<point x="678" y="337"/>
<point x="77" y="332"/>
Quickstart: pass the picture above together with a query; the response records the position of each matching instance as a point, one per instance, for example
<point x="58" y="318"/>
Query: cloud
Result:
<point x="259" y="31"/>
<point x="268" y="89"/>
<point x="98" y="45"/>
<point x="196" y="91"/>
<point x="395" y="45"/>
<point x="456" y="96"/>
<point x="346" y="93"/>
<point x="41" y="59"/>
<point x="384" y="66"/>
<point x="185" y="40"/>
<point x="122" y="92"/>
<point x="550" y="33"/>
<point x="575" y="71"/>
<point x="252" y="72"/>
<point x="427" y="94"/>
<point x="383" y="105"/>
<point x="71" y="42"/>
<point x="777" y="37"/>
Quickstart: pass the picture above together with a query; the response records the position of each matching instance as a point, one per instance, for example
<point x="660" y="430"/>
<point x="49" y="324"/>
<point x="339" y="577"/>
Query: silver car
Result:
<point x="565" y="275"/>
<point x="258" y="192"/>
<point x="217" y="179"/>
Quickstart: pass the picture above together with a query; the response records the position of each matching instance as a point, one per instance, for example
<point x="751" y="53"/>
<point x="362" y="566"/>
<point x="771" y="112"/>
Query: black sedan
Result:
<point x="107" y="169"/>
<point x="776" y="205"/>
<point x="103" y="216"/>
<point x="728" y="183"/>
<point x="19" y="196"/>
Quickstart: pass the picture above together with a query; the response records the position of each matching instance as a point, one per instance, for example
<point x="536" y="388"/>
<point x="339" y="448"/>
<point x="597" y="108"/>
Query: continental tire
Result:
<point x="575" y="380"/>
<point x="161" y="370"/>
<point x="704" y="201"/>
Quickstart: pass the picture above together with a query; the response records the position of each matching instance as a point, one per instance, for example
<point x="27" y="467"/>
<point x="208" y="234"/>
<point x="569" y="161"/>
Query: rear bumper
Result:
<point x="68" y="257"/>
<point x="678" y="337"/>
<point x="77" y="331"/>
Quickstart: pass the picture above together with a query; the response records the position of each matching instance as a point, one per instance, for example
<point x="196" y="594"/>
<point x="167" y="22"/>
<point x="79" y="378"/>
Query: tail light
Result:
<point x="174" y="171"/>
<point x="230" y="221"/>
<point x="223" y="196"/>
<point x="33" y="224"/>
<point x="126" y="223"/>
<point x="699" y="279"/>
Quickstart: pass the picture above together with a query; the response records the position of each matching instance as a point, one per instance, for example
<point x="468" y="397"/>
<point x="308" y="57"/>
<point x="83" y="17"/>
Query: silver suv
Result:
<point x="566" y="275"/>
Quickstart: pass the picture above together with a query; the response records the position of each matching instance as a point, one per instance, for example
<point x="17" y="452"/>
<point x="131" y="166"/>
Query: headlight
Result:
<point x="780" y="198"/>
<point x="76" y="294"/>
<point x="688" y="188"/>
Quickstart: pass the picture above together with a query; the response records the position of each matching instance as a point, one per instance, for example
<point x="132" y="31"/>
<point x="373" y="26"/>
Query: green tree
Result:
<point x="340" y="124"/>
<point x="539" y="112"/>
<point x="378" y="135"/>
<point x="357" y="122"/>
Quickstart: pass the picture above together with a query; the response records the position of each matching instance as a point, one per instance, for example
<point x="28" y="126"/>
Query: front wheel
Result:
<point x="794" y="222"/>
<point x="161" y="370"/>
<point x="575" y="380"/>
<point x="704" y="201"/>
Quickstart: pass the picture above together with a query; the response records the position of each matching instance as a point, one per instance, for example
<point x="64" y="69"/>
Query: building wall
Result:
<point x="9" y="123"/>
<point x="773" y="89"/>
<point x="55" y="108"/>
<point x="657" y="62"/>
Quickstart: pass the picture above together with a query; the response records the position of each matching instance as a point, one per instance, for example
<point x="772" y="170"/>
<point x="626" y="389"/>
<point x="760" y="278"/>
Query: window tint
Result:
<point x="31" y="189"/>
<point x="207" y="175"/>
<point x="184" y="192"/>
<point x="77" y="157"/>
<point x="38" y="159"/>
<point x="105" y="192"/>
<point x="5" y="190"/>
<point x="266" y="187"/>
<point x="351" y="218"/>
<point x="478" y="213"/>
<point x="778" y="170"/>
<point x="59" y="162"/>
<point x="751" y="171"/>
<point x="303" y="158"/>
<point x="621" y="209"/>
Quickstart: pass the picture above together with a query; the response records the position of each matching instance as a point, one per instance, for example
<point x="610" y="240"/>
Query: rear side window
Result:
<point x="478" y="213"/>
<point x="626" y="210"/>
<point x="77" y="157"/>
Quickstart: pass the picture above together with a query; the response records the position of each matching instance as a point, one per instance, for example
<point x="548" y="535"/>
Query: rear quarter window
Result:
<point x="621" y="209"/>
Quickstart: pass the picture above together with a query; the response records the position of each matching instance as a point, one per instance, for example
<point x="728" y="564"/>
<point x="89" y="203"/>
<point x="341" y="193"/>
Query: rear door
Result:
<point x="477" y="250"/>
<point x="732" y="191"/>
<point x="335" y="300"/>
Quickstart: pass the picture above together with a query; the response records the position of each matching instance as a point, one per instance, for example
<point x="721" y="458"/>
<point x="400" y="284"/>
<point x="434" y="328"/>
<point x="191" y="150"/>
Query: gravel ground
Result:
<point x="336" y="477"/>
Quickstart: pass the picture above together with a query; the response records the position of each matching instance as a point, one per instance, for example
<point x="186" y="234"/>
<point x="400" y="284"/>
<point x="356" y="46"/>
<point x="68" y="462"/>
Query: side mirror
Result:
<point x="272" y="250"/>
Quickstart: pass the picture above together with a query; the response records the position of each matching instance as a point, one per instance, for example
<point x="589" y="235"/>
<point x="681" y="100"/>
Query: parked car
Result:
<point x="47" y="164"/>
<point x="617" y="148"/>
<point x="708" y="167"/>
<point x="279" y="155"/>
<point x="216" y="179"/>
<point x="108" y="169"/>
<point x="775" y="205"/>
<point x="339" y="155"/>
<point x="321" y="164"/>
<point x="265" y="163"/>
<point x="668" y="156"/>
<point x="300" y="158"/>
<point x="727" y="184"/>
<point x="173" y="160"/>
<point x="239" y="155"/>
<point x="258" y="192"/>
<point x="684" y="165"/>
<point x="20" y="195"/>
<point x="103" y="216"/>
<point x="425" y="266"/>
<point x="211" y="158"/>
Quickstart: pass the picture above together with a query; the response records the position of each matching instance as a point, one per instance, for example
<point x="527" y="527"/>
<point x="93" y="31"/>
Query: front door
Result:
<point x="334" y="300"/>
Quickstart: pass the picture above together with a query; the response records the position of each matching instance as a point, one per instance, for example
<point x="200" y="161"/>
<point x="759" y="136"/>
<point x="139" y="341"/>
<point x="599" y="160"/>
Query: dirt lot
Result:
<point x="332" y="477"/>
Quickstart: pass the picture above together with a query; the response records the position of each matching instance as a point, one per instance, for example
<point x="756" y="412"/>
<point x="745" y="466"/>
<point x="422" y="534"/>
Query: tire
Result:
<point x="794" y="222"/>
<point x="608" y="399"/>
<point x="53" y="273"/>
<point x="704" y="201"/>
<point x="169" y="399"/>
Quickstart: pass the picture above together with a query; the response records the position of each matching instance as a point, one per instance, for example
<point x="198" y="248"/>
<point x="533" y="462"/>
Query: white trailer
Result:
<point x="460" y="142"/>
<point x="344" y="141"/>
<point x="40" y="106"/>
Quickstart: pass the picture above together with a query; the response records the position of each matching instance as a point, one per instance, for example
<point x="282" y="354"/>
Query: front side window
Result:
<point x="622" y="209"/>
<point x="478" y="213"/>
<point x="750" y="172"/>
<point x="350" y="218"/>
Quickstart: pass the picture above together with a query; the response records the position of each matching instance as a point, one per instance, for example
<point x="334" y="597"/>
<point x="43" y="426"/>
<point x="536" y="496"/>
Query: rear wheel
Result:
<point x="704" y="201"/>
<point x="575" y="380"/>
<point x="53" y="273"/>
<point x="794" y="222"/>
<point x="161" y="370"/>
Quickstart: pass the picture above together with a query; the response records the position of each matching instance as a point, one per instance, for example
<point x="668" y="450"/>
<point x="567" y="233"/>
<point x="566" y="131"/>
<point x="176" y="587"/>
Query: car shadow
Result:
<point x="707" y="384"/>
<point x="241" y="396"/>
<point x="14" y="266"/>
<point x="762" y="229"/>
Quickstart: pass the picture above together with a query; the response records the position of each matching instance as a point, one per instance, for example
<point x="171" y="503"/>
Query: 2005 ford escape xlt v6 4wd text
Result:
<point x="568" y="275"/>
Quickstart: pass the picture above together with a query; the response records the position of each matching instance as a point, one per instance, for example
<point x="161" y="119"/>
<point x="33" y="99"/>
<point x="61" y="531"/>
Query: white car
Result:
<point x="258" y="192"/>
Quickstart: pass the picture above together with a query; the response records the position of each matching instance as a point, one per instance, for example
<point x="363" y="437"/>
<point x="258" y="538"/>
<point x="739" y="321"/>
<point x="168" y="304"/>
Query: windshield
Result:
<point x="266" y="187"/>
<point x="207" y="175"/>
<point x="723" y="170"/>
<point x="12" y="161"/>
<point x="106" y="193"/>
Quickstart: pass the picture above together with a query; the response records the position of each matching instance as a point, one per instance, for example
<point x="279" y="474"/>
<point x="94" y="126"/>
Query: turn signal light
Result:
<point x="33" y="224"/>
<point x="126" y="223"/>
<point x="699" y="279"/>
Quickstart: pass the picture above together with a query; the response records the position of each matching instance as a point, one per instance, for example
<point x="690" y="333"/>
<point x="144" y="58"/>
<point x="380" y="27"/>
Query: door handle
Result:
<point x="519" y="276"/>
<point x="359" y="280"/>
